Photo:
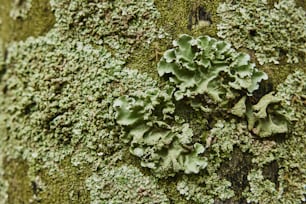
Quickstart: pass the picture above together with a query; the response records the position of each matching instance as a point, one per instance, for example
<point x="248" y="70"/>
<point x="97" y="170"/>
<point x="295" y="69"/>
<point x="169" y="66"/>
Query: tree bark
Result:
<point x="60" y="142"/>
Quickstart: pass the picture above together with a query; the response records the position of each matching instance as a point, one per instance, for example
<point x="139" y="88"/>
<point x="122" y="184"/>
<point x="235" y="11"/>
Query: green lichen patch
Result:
<point x="276" y="34"/>
<point x="261" y="190"/>
<point x="124" y="184"/>
<point x="150" y="128"/>
<point x="57" y="90"/>
<point x="288" y="154"/>
<point x="265" y="118"/>
<point x="84" y="125"/>
<point x="206" y="66"/>
<point x="205" y="189"/>
<point x="116" y="25"/>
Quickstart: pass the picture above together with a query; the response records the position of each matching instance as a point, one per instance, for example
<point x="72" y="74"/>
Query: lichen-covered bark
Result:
<point x="66" y="69"/>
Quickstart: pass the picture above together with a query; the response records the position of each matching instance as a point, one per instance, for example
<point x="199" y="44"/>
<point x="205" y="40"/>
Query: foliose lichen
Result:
<point x="149" y="125"/>
<point x="265" y="118"/>
<point x="164" y="142"/>
<point x="273" y="33"/>
<point x="150" y="122"/>
<point x="211" y="68"/>
<point x="289" y="155"/>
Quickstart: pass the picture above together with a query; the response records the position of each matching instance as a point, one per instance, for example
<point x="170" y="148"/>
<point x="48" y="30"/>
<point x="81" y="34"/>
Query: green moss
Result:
<point x="16" y="174"/>
<point x="38" y="21"/>
<point x="3" y="182"/>
<point x="175" y="17"/>
<point x="57" y="188"/>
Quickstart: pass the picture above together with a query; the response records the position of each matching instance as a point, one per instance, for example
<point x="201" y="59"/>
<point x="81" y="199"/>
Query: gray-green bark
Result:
<point x="70" y="69"/>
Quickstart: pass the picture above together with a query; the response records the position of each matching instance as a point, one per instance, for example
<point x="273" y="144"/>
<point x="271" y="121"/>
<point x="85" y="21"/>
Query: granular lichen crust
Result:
<point x="57" y="90"/>
<point x="276" y="34"/>
<point x="117" y="25"/>
<point x="124" y="184"/>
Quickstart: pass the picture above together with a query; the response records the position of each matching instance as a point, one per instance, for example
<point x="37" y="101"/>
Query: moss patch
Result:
<point x="65" y="185"/>
<point x="16" y="173"/>
<point x="40" y="20"/>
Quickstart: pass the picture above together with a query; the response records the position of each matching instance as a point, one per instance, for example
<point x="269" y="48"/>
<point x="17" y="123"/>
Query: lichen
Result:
<point x="274" y="34"/>
<point x="44" y="121"/>
<point x="289" y="154"/>
<point x="261" y="190"/>
<point x="206" y="66"/>
<point x="120" y="26"/>
<point x="205" y="189"/>
<point x="70" y="107"/>
<point x="124" y="184"/>
<point x="266" y="118"/>
<point x="164" y="147"/>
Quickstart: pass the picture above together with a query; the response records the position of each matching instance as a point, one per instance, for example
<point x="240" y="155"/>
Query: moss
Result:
<point x="175" y="16"/>
<point x="3" y="183"/>
<point x="16" y="174"/>
<point x="57" y="186"/>
<point x="39" y="21"/>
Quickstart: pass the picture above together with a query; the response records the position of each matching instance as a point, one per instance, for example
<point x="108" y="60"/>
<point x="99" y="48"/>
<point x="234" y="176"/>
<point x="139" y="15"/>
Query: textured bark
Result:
<point x="68" y="186"/>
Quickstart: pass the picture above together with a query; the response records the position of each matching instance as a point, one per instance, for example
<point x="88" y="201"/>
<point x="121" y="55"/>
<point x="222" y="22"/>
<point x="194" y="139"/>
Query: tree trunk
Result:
<point x="88" y="113"/>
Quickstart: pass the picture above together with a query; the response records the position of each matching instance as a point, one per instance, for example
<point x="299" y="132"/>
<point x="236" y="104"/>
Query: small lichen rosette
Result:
<point x="163" y="145"/>
<point x="266" y="118"/>
<point x="207" y="66"/>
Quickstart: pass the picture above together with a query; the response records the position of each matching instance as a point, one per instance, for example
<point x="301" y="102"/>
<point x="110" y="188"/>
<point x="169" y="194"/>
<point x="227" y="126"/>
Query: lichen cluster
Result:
<point x="265" y="118"/>
<point x="289" y="155"/>
<point x="200" y="134"/>
<point x="162" y="146"/>
<point x="117" y="25"/>
<point x="274" y="34"/>
<point x="151" y="126"/>
<point x="201" y="67"/>
<point x="57" y="90"/>
<point x="211" y="69"/>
